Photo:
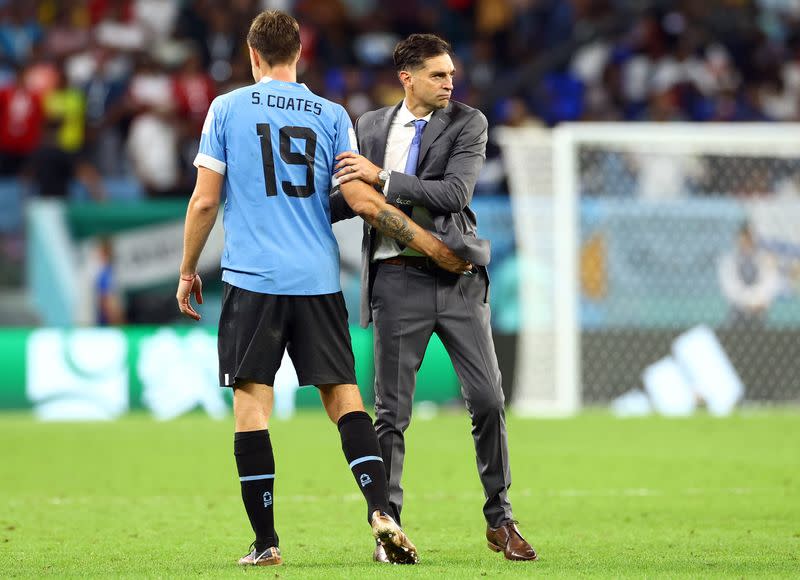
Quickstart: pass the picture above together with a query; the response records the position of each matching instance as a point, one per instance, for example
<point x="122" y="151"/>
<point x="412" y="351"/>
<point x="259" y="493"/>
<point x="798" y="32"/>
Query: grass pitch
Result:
<point x="597" y="496"/>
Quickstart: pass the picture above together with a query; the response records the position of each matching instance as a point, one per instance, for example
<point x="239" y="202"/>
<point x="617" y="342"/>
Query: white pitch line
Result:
<point x="429" y="496"/>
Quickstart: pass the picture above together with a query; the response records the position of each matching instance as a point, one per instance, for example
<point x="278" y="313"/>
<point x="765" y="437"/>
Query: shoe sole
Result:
<point x="398" y="547"/>
<point x="264" y="562"/>
<point x="269" y="562"/>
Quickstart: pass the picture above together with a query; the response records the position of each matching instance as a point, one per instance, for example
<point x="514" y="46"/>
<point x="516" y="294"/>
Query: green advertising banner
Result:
<point x="90" y="219"/>
<point x="12" y="361"/>
<point x="102" y="373"/>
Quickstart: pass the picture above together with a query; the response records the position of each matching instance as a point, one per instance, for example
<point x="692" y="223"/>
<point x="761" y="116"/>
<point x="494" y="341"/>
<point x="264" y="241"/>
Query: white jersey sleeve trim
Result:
<point x="213" y="164"/>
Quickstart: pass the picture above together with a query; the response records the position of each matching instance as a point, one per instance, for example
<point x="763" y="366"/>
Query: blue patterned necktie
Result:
<point x="413" y="158"/>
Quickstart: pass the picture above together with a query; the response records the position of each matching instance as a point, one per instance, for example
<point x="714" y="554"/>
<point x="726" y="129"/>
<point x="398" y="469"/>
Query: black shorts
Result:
<point x="254" y="330"/>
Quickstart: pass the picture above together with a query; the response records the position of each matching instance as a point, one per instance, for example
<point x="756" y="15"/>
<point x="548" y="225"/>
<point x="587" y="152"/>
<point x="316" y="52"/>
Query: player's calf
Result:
<point x="255" y="463"/>
<point x="361" y="449"/>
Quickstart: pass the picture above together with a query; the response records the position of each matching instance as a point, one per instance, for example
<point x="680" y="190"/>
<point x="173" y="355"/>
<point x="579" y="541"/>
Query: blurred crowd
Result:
<point x="729" y="60"/>
<point x="120" y="88"/>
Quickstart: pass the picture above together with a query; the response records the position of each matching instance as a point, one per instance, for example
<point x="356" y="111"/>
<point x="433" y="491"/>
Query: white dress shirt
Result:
<point x="398" y="144"/>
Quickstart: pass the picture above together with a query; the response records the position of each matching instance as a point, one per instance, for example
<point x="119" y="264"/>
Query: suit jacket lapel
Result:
<point x="439" y="120"/>
<point x="382" y="135"/>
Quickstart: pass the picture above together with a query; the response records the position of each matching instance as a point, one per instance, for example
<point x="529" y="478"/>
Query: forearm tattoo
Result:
<point x="393" y="225"/>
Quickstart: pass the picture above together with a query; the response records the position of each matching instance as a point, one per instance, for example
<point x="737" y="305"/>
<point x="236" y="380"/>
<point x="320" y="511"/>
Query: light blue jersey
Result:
<point x="276" y="144"/>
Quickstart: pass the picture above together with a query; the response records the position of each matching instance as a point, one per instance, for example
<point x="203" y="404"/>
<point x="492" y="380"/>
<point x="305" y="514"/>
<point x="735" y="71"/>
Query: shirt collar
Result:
<point x="406" y="117"/>
<point x="265" y="79"/>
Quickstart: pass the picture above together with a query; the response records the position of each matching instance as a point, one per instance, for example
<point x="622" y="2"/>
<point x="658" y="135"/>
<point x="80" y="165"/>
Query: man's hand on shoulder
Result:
<point x="352" y="166"/>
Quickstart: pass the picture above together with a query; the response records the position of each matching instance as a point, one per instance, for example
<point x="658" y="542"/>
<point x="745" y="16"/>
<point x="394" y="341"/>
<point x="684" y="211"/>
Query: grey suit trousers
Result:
<point x="408" y="305"/>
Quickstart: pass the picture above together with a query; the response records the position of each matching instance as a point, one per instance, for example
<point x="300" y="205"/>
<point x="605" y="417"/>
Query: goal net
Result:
<point x="636" y="239"/>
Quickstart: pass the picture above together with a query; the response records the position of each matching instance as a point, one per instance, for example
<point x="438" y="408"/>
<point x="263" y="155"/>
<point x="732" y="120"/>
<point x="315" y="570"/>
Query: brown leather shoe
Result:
<point x="379" y="555"/>
<point x="508" y="540"/>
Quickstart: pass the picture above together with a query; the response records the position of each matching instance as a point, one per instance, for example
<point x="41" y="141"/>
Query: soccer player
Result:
<point x="272" y="145"/>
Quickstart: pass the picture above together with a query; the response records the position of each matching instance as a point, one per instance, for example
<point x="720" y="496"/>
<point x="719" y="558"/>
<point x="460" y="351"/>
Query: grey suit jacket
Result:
<point x="451" y="154"/>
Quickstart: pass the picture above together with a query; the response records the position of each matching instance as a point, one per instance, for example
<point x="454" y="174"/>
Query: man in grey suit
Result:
<point x="425" y="154"/>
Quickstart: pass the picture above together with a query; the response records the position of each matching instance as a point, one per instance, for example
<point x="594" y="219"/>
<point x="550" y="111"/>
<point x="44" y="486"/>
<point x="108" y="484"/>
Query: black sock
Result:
<point x="256" y="466"/>
<point x="360" y="446"/>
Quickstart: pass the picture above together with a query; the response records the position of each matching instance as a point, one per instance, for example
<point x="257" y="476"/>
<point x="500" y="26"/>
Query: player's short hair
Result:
<point x="411" y="53"/>
<point x="276" y="37"/>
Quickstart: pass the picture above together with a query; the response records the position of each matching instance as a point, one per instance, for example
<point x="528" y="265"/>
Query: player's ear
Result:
<point x="255" y="63"/>
<point x="299" y="52"/>
<point x="254" y="60"/>
<point x="405" y="78"/>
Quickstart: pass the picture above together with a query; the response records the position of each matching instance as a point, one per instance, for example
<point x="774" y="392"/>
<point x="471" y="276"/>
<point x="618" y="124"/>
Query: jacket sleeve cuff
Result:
<point x="393" y="193"/>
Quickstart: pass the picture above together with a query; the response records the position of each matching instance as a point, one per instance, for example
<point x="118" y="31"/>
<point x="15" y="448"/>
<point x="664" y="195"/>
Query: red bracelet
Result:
<point x="189" y="279"/>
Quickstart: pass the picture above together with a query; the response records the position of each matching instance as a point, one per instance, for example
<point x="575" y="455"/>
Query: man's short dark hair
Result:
<point x="411" y="53"/>
<point x="276" y="37"/>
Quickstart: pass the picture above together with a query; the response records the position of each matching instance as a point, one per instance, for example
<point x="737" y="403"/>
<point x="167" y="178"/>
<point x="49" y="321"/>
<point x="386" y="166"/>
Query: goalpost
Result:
<point x="547" y="353"/>
<point x="620" y="231"/>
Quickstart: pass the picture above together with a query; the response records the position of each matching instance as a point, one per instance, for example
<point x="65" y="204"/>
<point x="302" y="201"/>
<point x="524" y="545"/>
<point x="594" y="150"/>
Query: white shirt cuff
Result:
<point x="386" y="185"/>
<point x="209" y="162"/>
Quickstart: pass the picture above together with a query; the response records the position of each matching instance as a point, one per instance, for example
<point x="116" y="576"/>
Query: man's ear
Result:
<point x="405" y="78"/>
<point x="255" y="59"/>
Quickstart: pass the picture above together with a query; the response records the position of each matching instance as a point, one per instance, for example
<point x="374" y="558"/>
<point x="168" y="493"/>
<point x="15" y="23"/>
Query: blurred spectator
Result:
<point x="749" y="280"/>
<point x="194" y="90"/>
<point x="50" y="169"/>
<point x="220" y="43"/>
<point x="19" y="31"/>
<point x="43" y="74"/>
<point x="102" y="74"/>
<point x="482" y="72"/>
<point x="192" y="26"/>
<point x="118" y="28"/>
<point x="152" y="144"/>
<point x="153" y="150"/>
<point x="68" y="32"/>
<point x="663" y="106"/>
<point x="157" y="18"/>
<point x="21" y="115"/>
<point x="513" y="112"/>
<point x="109" y="307"/>
<point x="66" y="106"/>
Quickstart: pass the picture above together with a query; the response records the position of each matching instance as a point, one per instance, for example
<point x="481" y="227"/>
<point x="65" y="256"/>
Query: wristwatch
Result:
<point x="383" y="177"/>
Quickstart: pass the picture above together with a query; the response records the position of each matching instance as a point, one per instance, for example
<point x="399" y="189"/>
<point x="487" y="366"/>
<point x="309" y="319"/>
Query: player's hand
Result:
<point x="447" y="260"/>
<point x="354" y="166"/>
<point x="188" y="285"/>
